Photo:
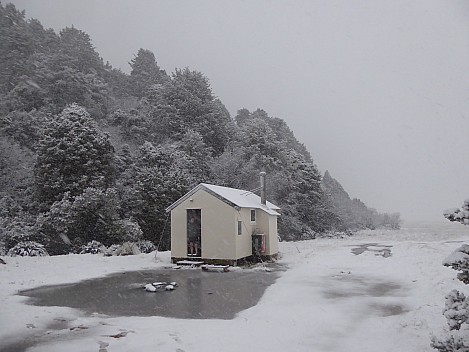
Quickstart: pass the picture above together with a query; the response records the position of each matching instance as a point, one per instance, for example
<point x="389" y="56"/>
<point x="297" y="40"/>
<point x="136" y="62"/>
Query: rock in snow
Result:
<point x="150" y="288"/>
<point x="160" y="283"/>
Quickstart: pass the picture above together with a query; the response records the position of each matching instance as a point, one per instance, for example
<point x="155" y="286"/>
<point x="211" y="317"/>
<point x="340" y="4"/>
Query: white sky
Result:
<point x="377" y="90"/>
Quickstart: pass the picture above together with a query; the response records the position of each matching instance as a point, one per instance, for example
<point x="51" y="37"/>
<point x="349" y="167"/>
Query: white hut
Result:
<point x="216" y="224"/>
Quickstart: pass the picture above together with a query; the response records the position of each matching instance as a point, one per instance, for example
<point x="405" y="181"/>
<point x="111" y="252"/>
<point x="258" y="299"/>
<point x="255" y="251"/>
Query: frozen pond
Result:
<point x="199" y="295"/>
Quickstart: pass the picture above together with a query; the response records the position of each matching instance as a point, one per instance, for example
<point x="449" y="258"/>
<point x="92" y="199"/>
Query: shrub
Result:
<point x="14" y="238"/>
<point x="93" y="247"/>
<point x="94" y="215"/>
<point x="128" y="230"/>
<point x="146" y="246"/>
<point x="127" y="248"/>
<point x="111" y="250"/>
<point x="450" y="344"/>
<point x="28" y="249"/>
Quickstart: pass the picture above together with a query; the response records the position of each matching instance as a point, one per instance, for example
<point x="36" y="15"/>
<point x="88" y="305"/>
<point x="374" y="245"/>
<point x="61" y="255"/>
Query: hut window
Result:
<point x="240" y="227"/>
<point x="253" y="215"/>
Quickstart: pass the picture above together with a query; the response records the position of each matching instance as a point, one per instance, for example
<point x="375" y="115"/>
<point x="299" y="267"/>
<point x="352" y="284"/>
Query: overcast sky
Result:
<point x="377" y="90"/>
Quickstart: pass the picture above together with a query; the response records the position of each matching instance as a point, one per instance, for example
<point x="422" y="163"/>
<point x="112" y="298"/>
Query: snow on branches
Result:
<point x="456" y="309"/>
<point x="451" y="344"/>
<point x="459" y="260"/>
<point x="458" y="215"/>
<point x="28" y="249"/>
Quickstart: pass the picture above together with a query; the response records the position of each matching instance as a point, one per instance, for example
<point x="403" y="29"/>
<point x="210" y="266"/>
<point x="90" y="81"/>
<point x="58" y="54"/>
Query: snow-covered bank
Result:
<point x="329" y="299"/>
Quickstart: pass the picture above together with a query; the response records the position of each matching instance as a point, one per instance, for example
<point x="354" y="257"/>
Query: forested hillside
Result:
<point x="354" y="214"/>
<point x="88" y="152"/>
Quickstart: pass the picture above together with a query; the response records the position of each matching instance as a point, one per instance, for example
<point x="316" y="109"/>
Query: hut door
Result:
<point x="194" y="230"/>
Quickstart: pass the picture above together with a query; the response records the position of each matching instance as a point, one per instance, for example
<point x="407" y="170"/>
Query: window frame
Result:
<point x="251" y="217"/>
<point x="240" y="227"/>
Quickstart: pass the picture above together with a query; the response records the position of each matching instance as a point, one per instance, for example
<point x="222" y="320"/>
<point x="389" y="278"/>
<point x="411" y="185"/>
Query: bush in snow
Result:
<point x="129" y="230"/>
<point x="111" y="250"/>
<point x="146" y="246"/>
<point x="458" y="215"/>
<point x="93" y="215"/>
<point x="459" y="260"/>
<point x="456" y="309"/>
<point x="451" y="344"/>
<point x="28" y="249"/>
<point x="17" y="237"/>
<point x="93" y="247"/>
<point x="127" y="248"/>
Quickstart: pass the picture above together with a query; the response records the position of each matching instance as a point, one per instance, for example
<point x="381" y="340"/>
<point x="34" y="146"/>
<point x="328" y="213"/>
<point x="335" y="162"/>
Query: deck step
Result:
<point x="192" y="263"/>
<point x="217" y="268"/>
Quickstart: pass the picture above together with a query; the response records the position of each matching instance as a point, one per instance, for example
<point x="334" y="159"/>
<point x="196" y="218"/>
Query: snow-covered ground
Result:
<point x="329" y="299"/>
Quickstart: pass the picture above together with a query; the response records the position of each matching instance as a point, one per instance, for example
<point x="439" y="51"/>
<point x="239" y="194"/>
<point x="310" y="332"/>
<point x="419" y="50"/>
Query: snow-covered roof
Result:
<point x="232" y="196"/>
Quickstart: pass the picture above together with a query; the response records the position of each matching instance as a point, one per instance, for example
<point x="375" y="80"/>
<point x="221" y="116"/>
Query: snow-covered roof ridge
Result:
<point x="233" y="196"/>
<point x="242" y="198"/>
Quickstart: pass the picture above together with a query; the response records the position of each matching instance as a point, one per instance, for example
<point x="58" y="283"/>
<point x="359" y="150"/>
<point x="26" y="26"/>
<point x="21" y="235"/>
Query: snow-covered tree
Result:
<point x="72" y="155"/>
<point x="145" y="72"/>
<point x="76" y="44"/>
<point x="15" y="46"/>
<point x="160" y="175"/>
<point x="456" y="309"/>
<point x="297" y="188"/>
<point x="186" y="102"/>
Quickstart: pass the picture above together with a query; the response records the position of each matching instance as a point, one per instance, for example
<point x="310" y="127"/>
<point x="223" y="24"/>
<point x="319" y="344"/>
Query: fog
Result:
<point x="377" y="90"/>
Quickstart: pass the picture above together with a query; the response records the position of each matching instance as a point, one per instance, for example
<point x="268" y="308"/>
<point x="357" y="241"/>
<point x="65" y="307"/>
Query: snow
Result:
<point x="329" y="299"/>
<point x="243" y="199"/>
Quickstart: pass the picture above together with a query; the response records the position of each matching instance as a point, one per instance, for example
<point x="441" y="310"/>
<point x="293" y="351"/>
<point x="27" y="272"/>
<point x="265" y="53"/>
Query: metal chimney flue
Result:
<point x="262" y="175"/>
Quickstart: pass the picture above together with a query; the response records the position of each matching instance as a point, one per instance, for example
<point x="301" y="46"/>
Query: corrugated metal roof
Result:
<point x="232" y="196"/>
